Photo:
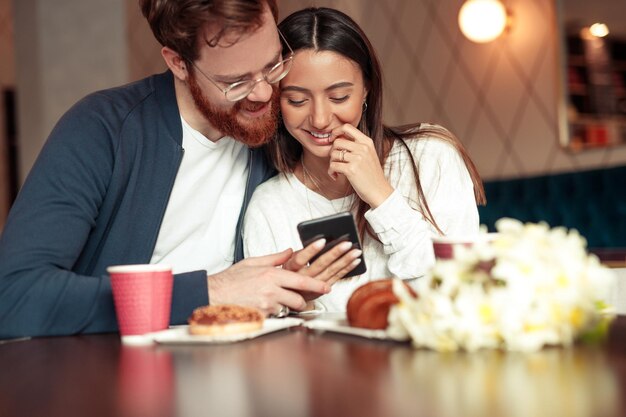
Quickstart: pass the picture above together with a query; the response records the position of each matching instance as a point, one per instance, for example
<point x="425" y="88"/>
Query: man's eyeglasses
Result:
<point x="241" y="89"/>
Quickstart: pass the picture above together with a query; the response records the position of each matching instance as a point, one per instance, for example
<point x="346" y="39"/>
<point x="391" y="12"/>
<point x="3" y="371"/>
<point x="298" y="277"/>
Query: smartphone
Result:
<point x="335" y="228"/>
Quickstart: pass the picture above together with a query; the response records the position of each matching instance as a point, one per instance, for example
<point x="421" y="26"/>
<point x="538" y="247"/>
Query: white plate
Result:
<point x="314" y="312"/>
<point x="180" y="335"/>
<point x="341" y="326"/>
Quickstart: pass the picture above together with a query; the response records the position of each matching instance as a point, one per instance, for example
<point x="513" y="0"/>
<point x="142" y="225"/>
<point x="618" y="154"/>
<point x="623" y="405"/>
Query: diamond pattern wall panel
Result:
<point x="499" y="98"/>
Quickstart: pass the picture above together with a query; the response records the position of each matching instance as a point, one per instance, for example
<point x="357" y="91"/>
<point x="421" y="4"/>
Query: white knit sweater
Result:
<point x="282" y="202"/>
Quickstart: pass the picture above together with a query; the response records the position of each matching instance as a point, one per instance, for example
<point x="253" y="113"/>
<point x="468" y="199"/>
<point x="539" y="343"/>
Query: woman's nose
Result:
<point x="320" y="117"/>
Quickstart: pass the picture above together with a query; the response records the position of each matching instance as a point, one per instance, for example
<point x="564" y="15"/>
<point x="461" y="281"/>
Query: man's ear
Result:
<point x="175" y="63"/>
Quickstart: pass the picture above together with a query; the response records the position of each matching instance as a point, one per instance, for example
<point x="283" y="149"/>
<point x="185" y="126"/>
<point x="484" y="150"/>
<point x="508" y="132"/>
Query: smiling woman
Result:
<point x="323" y="90"/>
<point x="403" y="185"/>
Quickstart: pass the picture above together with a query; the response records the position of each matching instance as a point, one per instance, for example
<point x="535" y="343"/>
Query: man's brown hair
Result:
<point x="179" y="24"/>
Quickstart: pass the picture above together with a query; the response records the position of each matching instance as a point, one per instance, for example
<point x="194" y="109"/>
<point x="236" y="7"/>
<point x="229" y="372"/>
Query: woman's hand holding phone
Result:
<point x="330" y="267"/>
<point x="341" y="236"/>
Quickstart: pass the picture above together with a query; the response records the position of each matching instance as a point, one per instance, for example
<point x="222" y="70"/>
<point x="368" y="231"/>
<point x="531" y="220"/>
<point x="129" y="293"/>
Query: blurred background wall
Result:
<point x="499" y="98"/>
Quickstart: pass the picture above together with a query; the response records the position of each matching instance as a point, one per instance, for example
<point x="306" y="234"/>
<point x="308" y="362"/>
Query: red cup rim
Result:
<point x="124" y="269"/>
<point x="464" y="239"/>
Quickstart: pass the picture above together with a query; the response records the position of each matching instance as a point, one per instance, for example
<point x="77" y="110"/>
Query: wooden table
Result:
<point x="299" y="372"/>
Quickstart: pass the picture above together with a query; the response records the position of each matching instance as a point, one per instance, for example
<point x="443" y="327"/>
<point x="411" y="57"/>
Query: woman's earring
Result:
<point x="364" y="106"/>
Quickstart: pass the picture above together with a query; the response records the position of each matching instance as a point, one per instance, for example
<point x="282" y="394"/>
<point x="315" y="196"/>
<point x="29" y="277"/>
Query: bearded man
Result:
<point x="159" y="171"/>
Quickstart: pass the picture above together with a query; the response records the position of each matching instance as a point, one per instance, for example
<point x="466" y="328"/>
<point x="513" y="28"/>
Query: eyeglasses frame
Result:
<point x="288" y="59"/>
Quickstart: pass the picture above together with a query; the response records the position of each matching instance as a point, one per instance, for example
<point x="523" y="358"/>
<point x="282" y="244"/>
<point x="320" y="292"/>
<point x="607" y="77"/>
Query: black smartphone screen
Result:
<point x="335" y="228"/>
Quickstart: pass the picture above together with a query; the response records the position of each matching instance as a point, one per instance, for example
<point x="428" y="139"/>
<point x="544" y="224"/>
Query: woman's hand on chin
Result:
<point x="353" y="155"/>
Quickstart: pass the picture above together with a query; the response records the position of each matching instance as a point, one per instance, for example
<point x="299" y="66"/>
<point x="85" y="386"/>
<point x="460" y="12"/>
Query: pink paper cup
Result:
<point x="444" y="247"/>
<point x="143" y="297"/>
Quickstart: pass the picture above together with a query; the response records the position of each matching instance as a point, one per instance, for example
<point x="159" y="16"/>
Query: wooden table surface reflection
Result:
<point x="304" y="373"/>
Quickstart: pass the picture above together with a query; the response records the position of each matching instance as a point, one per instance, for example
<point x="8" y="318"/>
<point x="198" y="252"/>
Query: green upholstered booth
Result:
<point x="593" y="202"/>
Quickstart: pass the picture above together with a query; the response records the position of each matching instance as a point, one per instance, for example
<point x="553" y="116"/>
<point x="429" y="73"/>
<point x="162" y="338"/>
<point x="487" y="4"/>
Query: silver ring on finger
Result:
<point x="283" y="312"/>
<point x="343" y="153"/>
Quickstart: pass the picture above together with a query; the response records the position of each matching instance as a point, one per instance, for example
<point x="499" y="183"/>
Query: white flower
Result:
<point x="528" y="287"/>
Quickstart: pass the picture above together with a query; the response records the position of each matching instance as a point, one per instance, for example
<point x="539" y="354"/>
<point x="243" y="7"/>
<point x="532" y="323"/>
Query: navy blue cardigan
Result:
<point x="96" y="197"/>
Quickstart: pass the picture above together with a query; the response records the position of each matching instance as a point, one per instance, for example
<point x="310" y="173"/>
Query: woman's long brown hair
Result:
<point x="324" y="29"/>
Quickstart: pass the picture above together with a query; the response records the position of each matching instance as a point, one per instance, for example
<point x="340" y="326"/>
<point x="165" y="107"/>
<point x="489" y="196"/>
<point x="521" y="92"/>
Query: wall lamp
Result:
<point x="483" y="21"/>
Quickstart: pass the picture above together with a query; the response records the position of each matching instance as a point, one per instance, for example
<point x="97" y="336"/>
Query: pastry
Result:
<point x="225" y="319"/>
<point x="369" y="305"/>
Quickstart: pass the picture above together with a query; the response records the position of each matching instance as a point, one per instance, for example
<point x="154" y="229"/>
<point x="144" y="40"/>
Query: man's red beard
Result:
<point x="254" y="133"/>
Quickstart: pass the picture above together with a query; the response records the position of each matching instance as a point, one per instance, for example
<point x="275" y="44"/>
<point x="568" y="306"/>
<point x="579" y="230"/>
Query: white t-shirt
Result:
<point x="198" y="229"/>
<point x="279" y="204"/>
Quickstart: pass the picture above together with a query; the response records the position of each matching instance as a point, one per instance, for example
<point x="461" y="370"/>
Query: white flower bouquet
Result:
<point x="528" y="287"/>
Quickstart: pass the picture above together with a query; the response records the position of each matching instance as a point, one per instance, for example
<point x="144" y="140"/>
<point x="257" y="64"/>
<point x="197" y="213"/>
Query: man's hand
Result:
<point x="258" y="282"/>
